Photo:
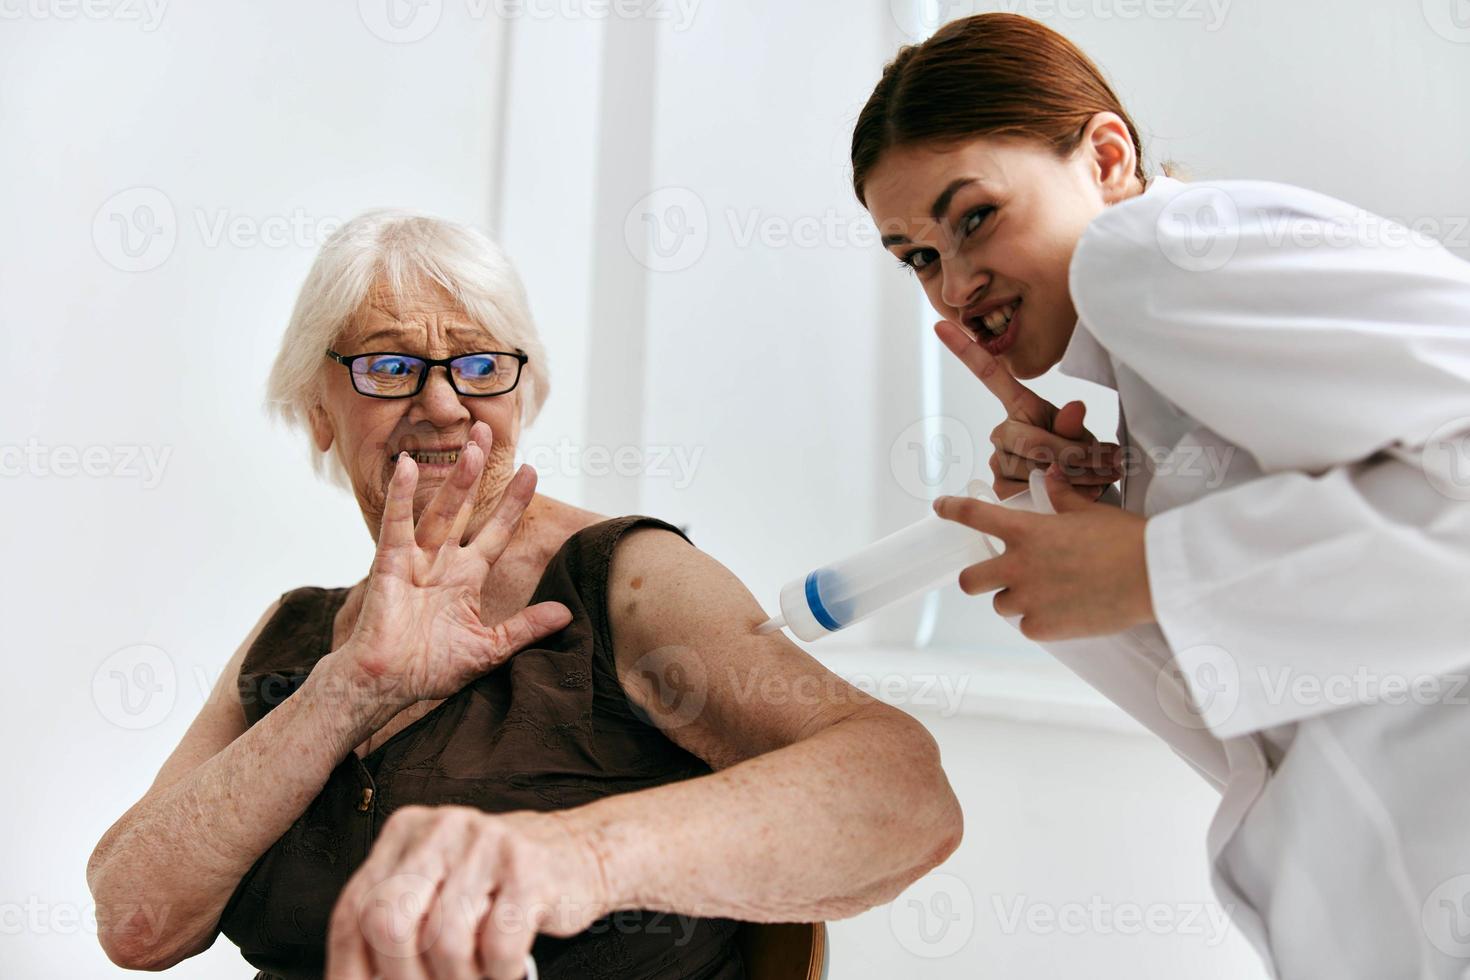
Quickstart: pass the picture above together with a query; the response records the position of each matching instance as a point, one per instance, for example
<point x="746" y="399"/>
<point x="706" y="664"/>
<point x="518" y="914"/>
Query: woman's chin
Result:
<point x="1017" y="362"/>
<point x="1025" y="361"/>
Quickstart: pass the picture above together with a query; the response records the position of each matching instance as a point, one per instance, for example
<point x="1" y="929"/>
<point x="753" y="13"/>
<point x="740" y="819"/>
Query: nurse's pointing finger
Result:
<point x="1020" y="402"/>
<point x="1002" y="522"/>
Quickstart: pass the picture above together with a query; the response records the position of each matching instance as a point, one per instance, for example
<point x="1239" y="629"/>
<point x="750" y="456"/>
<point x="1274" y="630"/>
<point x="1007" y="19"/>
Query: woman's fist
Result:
<point x="454" y="893"/>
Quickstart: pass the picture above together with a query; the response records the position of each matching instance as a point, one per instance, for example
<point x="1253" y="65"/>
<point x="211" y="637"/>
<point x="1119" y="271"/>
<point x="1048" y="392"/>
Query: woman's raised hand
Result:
<point x="1035" y="432"/>
<point x="419" y="636"/>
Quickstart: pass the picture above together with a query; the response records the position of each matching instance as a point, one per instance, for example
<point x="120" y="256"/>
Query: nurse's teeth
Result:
<point x="996" y="321"/>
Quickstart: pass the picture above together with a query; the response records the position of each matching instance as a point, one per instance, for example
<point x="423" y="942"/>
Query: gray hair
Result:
<point x="397" y="247"/>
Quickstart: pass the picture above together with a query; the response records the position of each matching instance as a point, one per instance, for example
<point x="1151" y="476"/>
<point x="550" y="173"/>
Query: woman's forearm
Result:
<point x="164" y="872"/>
<point x="821" y="829"/>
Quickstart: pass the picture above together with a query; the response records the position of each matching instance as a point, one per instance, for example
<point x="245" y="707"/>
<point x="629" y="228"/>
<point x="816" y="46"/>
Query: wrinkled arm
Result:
<point x="825" y="802"/>
<point x="163" y="873"/>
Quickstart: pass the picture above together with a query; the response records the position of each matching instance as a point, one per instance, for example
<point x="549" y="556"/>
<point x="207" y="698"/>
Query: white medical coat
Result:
<point x="1293" y="377"/>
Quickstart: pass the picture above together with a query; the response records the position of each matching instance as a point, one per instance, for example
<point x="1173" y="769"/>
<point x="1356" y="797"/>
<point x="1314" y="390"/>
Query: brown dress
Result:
<point x="550" y="729"/>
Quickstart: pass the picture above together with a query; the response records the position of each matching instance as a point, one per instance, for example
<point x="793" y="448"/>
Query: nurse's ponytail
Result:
<point x="993" y="74"/>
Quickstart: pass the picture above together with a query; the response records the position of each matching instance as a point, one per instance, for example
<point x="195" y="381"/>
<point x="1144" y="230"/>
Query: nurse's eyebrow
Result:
<point x="941" y="203"/>
<point x="937" y="211"/>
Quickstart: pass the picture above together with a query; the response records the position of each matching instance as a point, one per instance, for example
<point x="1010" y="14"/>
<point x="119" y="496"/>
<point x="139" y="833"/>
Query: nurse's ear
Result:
<point x="1111" y="157"/>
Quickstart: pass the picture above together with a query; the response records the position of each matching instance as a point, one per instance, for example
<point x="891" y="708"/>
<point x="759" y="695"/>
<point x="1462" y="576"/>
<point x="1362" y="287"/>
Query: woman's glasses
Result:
<point x="386" y="374"/>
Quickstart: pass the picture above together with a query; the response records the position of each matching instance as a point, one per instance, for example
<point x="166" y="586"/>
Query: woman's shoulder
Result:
<point x="568" y="529"/>
<point x="582" y="561"/>
<point x="592" y="544"/>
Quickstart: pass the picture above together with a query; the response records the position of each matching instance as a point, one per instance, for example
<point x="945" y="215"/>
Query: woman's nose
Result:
<point x="438" y="402"/>
<point x="960" y="284"/>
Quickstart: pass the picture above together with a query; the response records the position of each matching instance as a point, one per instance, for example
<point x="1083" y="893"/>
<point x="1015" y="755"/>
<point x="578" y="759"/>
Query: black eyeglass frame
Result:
<point x="429" y="364"/>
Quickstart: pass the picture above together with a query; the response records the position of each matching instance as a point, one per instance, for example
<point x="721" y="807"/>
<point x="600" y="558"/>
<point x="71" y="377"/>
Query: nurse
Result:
<point x="1281" y="589"/>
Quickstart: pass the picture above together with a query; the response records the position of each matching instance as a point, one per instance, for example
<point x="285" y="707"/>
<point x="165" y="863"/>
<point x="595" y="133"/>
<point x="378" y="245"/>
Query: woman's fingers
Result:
<point x="396" y="530"/>
<point x="1043" y="446"/>
<point x="1085" y="478"/>
<point x="523" y="629"/>
<point x="459" y="909"/>
<point x="1063" y="495"/>
<point x="1010" y="467"/>
<point x="985" y="576"/>
<point x="1011" y="474"/>
<point x="402" y="927"/>
<point x="1068" y="422"/>
<point x="1020" y="402"/>
<point x="439" y="517"/>
<point x="993" y="519"/>
<point x="506" y="935"/>
<point x="491" y="539"/>
<point x="347" y="956"/>
<point x="1005" y="489"/>
<point x="369" y="915"/>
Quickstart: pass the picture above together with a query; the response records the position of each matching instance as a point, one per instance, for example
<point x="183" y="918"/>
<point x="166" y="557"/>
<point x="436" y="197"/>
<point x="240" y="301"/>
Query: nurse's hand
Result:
<point x="1035" y="433"/>
<point x="1079" y="572"/>
<point x="455" y="892"/>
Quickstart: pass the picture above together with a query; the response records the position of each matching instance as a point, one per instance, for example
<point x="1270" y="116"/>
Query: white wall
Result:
<point x="277" y="119"/>
<point x="756" y="357"/>
<point x="1082" y="857"/>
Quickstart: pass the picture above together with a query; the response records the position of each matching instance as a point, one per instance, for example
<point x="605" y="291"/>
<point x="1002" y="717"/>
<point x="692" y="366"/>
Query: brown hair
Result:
<point x="994" y="74"/>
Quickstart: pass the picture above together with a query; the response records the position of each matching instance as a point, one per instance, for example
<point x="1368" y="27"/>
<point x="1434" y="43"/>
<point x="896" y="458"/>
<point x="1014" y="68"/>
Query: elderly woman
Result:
<point x="516" y="734"/>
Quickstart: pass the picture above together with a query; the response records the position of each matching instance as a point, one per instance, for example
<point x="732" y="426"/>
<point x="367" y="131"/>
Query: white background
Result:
<point x="787" y="366"/>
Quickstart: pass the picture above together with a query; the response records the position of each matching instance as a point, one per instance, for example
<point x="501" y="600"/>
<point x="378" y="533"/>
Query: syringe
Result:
<point x="926" y="554"/>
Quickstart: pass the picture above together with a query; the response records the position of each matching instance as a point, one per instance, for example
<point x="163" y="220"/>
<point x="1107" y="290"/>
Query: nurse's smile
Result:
<point x="995" y="326"/>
